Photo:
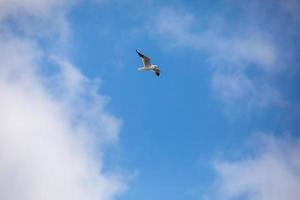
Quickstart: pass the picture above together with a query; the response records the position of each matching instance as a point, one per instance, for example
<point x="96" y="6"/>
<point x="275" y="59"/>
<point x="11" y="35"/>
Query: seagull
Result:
<point x="147" y="64"/>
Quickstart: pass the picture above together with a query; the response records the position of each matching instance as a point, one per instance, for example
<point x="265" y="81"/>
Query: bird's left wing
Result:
<point x="146" y="60"/>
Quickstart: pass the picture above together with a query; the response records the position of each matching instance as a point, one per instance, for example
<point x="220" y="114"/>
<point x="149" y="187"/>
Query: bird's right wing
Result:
<point x="146" y="60"/>
<point x="157" y="71"/>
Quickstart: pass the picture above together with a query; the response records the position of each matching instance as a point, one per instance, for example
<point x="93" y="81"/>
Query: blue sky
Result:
<point x="174" y="126"/>
<point x="225" y="108"/>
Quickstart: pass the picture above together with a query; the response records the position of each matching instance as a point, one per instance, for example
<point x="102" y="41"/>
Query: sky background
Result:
<point x="78" y="121"/>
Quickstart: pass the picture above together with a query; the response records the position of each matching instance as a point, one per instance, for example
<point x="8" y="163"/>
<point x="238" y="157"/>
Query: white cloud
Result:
<point x="35" y="19"/>
<point x="228" y="46"/>
<point x="232" y="87"/>
<point x="11" y="8"/>
<point x="236" y="87"/>
<point x="272" y="172"/>
<point x="52" y="126"/>
<point x="176" y="25"/>
<point x="234" y="47"/>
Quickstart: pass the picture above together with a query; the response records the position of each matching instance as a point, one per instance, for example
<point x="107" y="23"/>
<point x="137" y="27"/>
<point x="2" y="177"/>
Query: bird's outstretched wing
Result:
<point x="146" y="60"/>
<point x="157" y="71"/>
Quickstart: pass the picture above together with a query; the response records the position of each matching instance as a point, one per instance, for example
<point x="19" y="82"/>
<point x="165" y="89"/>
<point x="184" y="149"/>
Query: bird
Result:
<point x="147" y="64"/>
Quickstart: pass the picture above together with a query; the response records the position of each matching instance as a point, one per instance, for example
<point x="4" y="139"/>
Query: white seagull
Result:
<point x="147" y="64"/>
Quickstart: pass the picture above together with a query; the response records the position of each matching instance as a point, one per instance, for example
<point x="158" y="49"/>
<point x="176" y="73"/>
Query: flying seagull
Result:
<point x="147" y="64"/>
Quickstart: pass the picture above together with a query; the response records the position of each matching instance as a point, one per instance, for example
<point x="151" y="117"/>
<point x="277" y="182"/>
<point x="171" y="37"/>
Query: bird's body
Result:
<point x="147" y="64"/>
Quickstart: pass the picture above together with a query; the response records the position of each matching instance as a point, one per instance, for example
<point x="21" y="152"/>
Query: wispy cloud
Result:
<point x="36" y="19"/>
<point x="270" y="171"/>
<point x="237" y="90"/>
<point x="238" y="49"/>
<point x="52" y="126"/>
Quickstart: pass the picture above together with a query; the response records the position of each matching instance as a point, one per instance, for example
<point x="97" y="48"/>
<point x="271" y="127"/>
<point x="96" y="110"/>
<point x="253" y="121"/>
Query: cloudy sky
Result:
<point x="78" y="121"/>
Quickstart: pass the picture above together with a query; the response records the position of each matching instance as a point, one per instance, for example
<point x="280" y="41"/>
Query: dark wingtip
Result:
<point x="138" y="51"/>
<point x="157" y="73"/>
<point x="141" y="55"/>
